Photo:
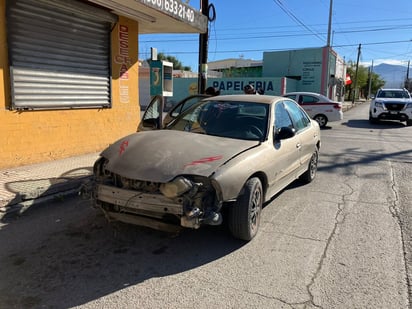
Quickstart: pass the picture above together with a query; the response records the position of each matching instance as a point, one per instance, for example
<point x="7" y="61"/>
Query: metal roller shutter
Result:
<point x="59" y="53"/>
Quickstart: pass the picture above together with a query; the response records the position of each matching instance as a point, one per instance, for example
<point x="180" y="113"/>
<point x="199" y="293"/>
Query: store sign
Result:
<point x="310" y="72"/>
<point x="233" y="85"/>
<point x="177" y="9"/>
<point x="123" y="60"/>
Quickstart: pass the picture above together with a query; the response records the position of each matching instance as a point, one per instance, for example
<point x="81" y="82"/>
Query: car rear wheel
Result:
<point x="322" y="120"/>
<point x="244" y="215"/>
<point x="310" y="173"/>
<point x="409" y="122"/>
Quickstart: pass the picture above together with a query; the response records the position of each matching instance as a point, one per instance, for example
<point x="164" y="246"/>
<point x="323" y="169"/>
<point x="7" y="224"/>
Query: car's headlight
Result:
<point x="409" y="105"/>
<point x="176" y="187"/>
<point x="378" y="104"/>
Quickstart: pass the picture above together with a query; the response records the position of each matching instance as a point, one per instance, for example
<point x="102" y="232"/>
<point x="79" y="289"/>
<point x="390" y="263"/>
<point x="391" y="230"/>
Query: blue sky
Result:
<point x="248" y="28"/>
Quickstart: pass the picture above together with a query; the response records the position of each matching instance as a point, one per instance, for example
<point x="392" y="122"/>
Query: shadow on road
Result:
<point x="88" y="258"/>
<point x="26" y="192"/>
<point x="365" y="124"/>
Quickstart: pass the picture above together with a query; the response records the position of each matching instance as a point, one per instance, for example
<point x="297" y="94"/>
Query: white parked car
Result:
<point x="318" y="107"/>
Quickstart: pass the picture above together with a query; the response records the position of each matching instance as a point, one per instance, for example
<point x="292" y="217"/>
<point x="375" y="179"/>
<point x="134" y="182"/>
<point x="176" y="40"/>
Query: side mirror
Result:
<point x="284" y="133"/>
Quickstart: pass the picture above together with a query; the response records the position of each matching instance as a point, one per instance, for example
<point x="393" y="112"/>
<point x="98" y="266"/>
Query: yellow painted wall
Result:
<point x="38" y="136"/>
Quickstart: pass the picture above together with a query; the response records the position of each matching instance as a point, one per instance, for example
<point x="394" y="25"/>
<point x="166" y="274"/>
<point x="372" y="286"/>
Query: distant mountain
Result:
<point x="394" y="75"/>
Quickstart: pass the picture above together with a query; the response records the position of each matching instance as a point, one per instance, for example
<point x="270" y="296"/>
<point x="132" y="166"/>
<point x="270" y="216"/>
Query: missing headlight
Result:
<point x="99" y="168"/>
<point x="176" y="188"/>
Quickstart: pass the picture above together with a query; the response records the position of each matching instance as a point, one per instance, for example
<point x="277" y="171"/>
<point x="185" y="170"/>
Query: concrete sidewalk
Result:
<point x="21" y="187"/>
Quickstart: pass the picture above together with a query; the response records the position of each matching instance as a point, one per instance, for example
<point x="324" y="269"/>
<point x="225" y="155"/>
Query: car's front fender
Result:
<point x="231" y="177"/>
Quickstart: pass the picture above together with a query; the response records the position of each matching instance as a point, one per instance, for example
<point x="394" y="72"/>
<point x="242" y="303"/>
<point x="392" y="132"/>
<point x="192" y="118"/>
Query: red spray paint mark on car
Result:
<point x="204" y="160"/>
<point x="123" y="147"/>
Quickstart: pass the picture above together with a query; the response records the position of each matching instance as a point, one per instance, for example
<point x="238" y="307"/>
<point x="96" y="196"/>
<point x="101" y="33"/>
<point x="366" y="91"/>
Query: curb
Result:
<point x="348" y="105"/>
<point x="26" y="199"/>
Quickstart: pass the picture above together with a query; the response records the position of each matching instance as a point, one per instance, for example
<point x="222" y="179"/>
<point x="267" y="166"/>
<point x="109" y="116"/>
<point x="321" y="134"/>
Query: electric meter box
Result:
<point x="161" y="78"/>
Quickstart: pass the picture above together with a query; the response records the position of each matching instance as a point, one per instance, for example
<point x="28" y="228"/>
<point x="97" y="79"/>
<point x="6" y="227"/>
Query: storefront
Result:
<point x="69" y="72"/>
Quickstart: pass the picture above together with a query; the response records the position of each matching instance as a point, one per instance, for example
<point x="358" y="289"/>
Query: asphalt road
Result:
<point x="343" y="241"/>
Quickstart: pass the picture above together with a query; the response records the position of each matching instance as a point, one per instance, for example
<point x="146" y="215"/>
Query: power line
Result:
<point x="376" y="43"/>
<point x="293" y="16"/>
<point x="323" y="25"/>
<point x="281" y="49"/>
<point x="279" y="35"/>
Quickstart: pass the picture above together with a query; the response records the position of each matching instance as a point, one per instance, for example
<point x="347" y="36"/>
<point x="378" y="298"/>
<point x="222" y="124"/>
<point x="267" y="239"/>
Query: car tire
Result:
<point x="244" y="215"/>
<point x="372" y="120"/>
<point x="409" y="122"/>
<point x="310" y="173"/>
<point x="322" y="120"/>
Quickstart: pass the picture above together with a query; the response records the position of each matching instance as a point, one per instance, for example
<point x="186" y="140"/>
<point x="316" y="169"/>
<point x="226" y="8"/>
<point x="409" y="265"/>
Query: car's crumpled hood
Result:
<point x="159" y="156"/>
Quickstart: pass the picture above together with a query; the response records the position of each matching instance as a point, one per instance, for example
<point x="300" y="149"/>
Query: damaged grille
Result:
<point x="188" y="200"/>
<point x="138" y="185"/>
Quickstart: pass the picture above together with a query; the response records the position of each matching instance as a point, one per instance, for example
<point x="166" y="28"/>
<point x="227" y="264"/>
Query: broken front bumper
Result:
<point x="132" y="201"/>
<point x="149" y="209"/>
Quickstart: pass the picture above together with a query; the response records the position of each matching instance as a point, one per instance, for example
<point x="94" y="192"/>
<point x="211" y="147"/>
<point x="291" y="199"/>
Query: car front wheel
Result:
<point x="244" y="215"/>
<point x="372" y="120"/>
<point x="322" y="120"/>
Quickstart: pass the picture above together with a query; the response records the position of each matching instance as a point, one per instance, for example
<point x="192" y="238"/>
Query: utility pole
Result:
<point x="329" y="24"/>
<point x="356" y="75"/>
<point x="370" y="80"/>
<point x="326" y="77"/>
<point x="407" y="83"/>
<point x="203" y="49"/>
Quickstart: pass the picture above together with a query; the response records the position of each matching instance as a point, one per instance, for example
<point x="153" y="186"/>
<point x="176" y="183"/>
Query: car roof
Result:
<point x="393" y="89"/>
<point x="321" y="96"/>
<point x="265" y="99"/>
<point x="303" y="92"/>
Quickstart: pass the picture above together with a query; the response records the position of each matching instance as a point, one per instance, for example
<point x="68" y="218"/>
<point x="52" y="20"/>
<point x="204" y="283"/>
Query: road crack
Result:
<point x="339" y="219"/>
<point x="395" y="211"/>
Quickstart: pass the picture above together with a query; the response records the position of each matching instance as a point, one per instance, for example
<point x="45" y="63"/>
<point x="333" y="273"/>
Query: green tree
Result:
<point x="177" y="65"/>
<point x="362" y="81"/>
<point x="359" y="80"/>
<point x="376" y="82"/>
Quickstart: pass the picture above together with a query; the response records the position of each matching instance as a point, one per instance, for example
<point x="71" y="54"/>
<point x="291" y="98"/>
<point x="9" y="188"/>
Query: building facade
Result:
<point x="319" y="70"/>
<point x="69" y="72"/>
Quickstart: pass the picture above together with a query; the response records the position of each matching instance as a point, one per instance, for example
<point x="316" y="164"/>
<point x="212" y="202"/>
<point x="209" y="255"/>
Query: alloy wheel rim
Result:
<point x="255" y="209"/>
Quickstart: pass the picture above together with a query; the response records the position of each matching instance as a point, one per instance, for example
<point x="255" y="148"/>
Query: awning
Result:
<point x="159" y="16"/>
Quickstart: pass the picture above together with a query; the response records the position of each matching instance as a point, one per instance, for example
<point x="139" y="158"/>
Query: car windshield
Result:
<point x="240" y="120"/>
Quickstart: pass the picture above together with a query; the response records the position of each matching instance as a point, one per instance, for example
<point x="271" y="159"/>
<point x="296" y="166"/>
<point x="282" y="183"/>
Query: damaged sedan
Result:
<point x="219" y="159"/>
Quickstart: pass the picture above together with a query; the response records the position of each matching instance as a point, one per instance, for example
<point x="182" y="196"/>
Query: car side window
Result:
<point x="309" y="99"/>
<point x="186" y="104"/>
<point x="299" y="118"/>
<point x="282" y="118"/>
<point x="152" y="115"/>
<point x="291" y="96"/>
